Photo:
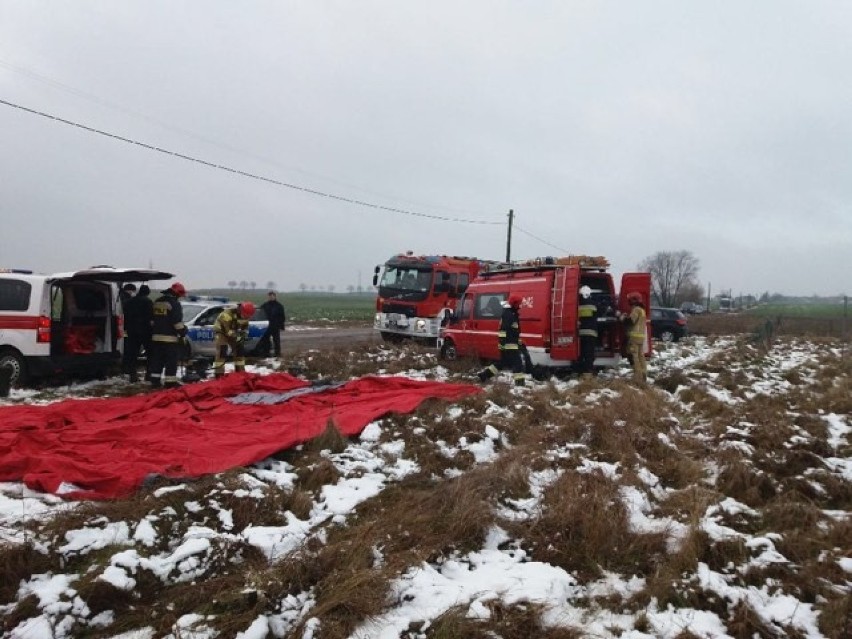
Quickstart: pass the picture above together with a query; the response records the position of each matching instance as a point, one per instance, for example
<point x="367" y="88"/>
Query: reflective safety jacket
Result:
<point x="509" y="333"/>
<point x="167" y="323"/>
<point x="230" y="326"/>
<point x="636" y="321"/>
<point x="588" y="314"/>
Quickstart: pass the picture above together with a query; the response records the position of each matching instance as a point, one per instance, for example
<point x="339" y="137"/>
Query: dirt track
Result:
<point x="300" y="338"/>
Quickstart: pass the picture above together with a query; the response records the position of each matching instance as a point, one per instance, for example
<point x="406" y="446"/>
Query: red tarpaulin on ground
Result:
<point x="107" y="447"/>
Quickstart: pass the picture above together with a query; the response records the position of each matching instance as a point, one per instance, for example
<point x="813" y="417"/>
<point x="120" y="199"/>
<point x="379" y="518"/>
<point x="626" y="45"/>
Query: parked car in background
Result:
<point x="692" y="308"/>
<point x="199" y="314"/>
<point x="668" y="324"/>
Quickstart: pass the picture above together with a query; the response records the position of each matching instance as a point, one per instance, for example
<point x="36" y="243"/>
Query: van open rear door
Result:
<point x="637" y="283"/>
<point x="116" y="275"/>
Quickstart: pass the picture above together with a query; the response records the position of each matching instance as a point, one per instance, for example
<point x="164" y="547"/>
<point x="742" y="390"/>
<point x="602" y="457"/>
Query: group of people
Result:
<point x="157" y="327"/>
<point x="511" y="346"/>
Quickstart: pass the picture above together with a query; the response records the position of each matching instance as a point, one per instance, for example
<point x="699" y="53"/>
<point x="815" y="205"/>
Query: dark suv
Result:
<point x="668" y="324"/>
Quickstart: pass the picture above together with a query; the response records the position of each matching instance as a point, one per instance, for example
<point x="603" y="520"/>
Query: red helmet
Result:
<point x="246" y="310"/>
<point x="634" y="298"/>
<point x="178" y="289"/>
<point x="515" y="301"/>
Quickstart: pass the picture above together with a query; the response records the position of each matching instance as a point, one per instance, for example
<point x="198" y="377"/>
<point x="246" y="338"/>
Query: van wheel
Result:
<point x="667" y="336"/>
<point x="14" y="360"/>
<point x="449" y="352"/>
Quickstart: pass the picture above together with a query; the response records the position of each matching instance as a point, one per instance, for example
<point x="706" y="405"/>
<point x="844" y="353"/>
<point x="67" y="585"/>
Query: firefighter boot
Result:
<point x="487" y="373"/>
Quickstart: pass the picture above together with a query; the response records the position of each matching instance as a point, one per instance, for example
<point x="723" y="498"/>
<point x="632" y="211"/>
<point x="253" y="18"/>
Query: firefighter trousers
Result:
<point x="636" y="350"/>
<point x="164" y="355"/>
<point x="223" y="345"/>
<point x="510" y="359"/>
<point x="587" y="354"/>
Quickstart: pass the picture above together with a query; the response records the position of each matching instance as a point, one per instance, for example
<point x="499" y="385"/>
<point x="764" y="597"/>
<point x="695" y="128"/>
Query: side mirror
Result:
<point x="376" y="279"/>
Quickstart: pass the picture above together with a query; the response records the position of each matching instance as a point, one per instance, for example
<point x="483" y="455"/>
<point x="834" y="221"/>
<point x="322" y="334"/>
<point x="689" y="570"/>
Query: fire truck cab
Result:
<point x="549" y="290"/>
<point x="417" y="292"/>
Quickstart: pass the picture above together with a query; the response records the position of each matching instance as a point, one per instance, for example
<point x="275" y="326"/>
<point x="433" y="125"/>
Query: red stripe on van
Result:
<point x="19" y="321"/>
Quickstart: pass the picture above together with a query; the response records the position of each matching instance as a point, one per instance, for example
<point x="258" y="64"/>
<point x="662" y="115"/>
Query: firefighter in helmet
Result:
<point x="588" y="330"/>
<point x="168" y="332"/>
<point x="509" y="343"/>
<point x="636" y="334"/>
<point x="231" y="332"/>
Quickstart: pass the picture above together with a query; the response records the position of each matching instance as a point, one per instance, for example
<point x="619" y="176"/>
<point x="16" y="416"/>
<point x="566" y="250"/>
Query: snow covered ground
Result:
<point x="731" y="410"/>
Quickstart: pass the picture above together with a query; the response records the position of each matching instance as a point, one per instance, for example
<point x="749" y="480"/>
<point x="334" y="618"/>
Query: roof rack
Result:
<point x="591" y="262"/>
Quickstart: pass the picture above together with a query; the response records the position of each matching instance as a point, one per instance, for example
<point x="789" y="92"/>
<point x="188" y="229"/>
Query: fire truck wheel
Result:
<point x="539" y="373"/>
<point x="448" y="351"/>
<point x="13" y="360"/>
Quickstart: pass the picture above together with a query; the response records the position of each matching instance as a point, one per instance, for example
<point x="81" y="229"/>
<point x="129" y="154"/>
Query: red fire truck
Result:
<point x="549" y="289"/>
<point x="416" y="292"/>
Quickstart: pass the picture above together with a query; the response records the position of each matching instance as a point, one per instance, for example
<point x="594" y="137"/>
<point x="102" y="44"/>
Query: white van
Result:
<point x="65" y="322"/>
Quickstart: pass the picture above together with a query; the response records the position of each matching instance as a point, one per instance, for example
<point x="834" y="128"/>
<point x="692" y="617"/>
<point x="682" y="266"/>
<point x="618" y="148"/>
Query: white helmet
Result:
<point x="585" y="292"/>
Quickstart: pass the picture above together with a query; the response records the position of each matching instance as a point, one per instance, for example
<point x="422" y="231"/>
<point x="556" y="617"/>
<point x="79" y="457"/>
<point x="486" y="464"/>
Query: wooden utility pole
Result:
<point x="509" y="237"/>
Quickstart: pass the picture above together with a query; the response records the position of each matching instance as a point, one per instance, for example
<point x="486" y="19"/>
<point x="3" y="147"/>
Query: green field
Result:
<point x="817" y="310"/>
<point x="310" y="307"/>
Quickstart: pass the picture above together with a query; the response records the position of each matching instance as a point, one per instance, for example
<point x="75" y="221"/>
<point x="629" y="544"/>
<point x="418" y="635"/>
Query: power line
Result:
<point x="261" y="178"/>
<point x="558" y="248"/>
<point x="67" y="88"/>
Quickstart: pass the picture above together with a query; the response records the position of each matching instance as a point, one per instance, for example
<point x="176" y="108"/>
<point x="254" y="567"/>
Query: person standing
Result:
<point x="231" y="330"/>
<point x="168" y="330"/>
<point x="636" y="334"/>
<point x="138" y="314"/>
<point x="587" y="313"/>
<point x="509" y="343"/>
<point x="274" y="311"/>
<point x="126" y="293"/>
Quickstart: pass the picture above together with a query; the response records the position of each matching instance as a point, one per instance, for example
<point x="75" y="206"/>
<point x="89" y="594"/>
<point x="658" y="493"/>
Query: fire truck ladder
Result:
<point x="556" y="326"/>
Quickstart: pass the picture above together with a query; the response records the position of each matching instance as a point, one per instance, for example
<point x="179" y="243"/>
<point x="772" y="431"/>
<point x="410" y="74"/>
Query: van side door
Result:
<point x="487" y="309"/>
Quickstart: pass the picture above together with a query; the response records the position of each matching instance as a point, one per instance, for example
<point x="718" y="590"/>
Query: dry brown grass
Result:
<point x="745" y="623"/>
<point x="518" y="621"/>
<point x="739" y="479"/>
<point x="581" y="524"/>
<point x="21" y="562"/>
<point x="583" y="528"/>
<point x="835" y="619"/>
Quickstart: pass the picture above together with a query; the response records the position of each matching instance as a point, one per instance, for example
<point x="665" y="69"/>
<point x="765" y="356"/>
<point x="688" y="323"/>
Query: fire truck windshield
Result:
<point x="405" y="282"/>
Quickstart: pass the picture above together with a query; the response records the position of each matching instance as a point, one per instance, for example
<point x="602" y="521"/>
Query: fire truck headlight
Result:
<point x="378" y="319"/>
<point x="420" y="325"/>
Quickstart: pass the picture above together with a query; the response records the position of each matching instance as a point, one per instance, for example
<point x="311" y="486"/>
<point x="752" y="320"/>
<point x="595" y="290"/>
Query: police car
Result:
<point x="199" y="314"/>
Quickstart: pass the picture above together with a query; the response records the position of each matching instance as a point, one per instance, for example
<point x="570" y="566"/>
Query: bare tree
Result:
<point x="331" y="288"/>
<point x="253" y="285"/>
<point x="670" y="272"/>
<point x="350" y="289"/>
<point x="303" y="287"/>
<point x="232" y="284"/>
<point x="690" y="292"/>
<point x="243" y="284"/>
<point x="270" y="285"/>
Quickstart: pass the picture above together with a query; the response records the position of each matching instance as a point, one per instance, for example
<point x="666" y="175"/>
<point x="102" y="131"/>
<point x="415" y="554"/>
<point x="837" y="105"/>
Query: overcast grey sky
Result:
<point x="611" y="128"/>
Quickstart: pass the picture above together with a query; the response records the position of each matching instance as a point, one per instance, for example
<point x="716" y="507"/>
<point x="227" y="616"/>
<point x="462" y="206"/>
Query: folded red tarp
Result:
<point x="107" y="447"/>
